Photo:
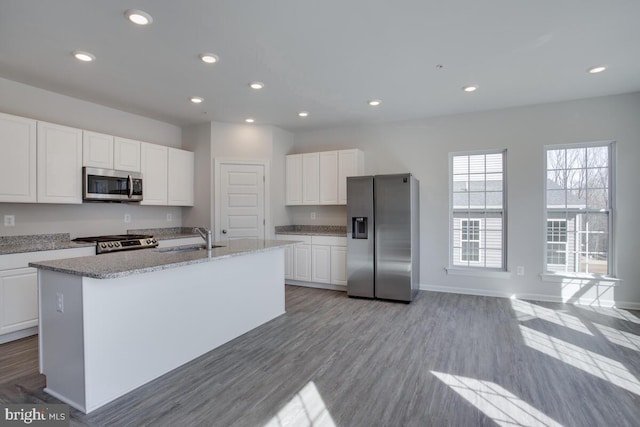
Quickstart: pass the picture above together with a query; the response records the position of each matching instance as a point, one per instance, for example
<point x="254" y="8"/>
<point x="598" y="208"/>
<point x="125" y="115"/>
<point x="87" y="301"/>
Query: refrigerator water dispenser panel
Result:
<point x="359" y="227"/>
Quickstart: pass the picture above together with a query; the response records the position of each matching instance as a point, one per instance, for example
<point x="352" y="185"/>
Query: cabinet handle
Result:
<point x="224" y="231"/>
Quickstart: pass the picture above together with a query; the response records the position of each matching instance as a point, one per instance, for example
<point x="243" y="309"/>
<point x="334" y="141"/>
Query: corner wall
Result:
<point x="422" y="147"/>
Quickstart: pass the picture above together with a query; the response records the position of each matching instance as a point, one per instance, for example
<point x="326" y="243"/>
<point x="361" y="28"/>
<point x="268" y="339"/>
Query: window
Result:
<point x="578" y="208"/>
<point x="477" y="212"/>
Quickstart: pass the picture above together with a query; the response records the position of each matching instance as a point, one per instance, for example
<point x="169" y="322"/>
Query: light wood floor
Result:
<point x="443" y="360"/>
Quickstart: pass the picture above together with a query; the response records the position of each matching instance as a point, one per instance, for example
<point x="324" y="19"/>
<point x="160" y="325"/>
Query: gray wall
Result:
<point x="422" y="147"/>
<point x="88" y="218"/>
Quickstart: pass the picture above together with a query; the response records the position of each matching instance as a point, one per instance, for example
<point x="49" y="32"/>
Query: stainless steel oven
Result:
<point x="108" y="185"/>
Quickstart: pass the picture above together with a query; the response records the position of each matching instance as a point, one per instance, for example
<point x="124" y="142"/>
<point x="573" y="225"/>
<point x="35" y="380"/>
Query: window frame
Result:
<point x="480" y="267"/>
<point x="610" y="210"/>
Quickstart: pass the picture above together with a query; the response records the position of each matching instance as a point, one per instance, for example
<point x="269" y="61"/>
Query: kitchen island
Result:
<point x="113" y="322"/>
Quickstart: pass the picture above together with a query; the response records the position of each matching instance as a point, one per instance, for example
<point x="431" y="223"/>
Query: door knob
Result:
<point x="224" y="231"/>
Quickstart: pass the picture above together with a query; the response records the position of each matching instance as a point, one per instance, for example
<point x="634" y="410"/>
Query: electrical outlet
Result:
<point x="9" y="220"/>
<point x="60" y="298"/>
<point x="520" y="270"/>
<point x="127" y="218"/>
<point x="169" y="217"/>
<point x="313" y="215"/>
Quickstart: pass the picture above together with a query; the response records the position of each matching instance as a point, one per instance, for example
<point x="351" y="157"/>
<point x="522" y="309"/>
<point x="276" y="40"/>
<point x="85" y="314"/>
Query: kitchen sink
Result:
<point x="180" y="249"/>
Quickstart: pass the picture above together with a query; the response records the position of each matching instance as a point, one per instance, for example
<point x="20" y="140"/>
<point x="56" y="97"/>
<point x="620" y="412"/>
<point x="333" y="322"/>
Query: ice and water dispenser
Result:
<point x="359" y="227"/>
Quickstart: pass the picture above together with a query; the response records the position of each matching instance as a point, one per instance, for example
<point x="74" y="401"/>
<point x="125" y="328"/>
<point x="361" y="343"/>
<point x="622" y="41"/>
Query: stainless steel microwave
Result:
<point x="108" y="185"/>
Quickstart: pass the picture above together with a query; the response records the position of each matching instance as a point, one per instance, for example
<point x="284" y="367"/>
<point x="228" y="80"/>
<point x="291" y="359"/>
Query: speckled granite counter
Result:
<point x="167" y="233"/>
<point x="37" y="243"/>
<point x="312" y="230"/>
<point x="126" y="263"/>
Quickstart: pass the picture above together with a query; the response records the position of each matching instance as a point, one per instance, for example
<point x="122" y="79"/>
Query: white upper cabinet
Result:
<point x="180" y="177"/>
<point x="97" y="150"/>
<point x="18" y="159"/>
<point x="350" y="163"/>
<point x="310" y="178"/>
<point x="59" y="168"/>
<point x="321" y="178"/>
<point x="154" y="166"/>
<point x="126" y="154"/>
<point x="293" y="179"/>
<point x="329" y="178"/>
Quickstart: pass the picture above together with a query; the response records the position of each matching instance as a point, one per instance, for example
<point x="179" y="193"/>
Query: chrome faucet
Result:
<point x="206" y="235"/>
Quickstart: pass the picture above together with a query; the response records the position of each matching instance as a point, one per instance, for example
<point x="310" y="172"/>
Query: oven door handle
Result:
<point x="130" y="185"/>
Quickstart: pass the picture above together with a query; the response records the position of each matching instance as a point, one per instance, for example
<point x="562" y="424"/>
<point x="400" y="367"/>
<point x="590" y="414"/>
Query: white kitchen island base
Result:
<point x="101" y="338"/>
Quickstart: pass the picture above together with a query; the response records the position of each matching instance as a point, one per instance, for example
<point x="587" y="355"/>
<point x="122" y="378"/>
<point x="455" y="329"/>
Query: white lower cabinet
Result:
<point x="18" y="299"/>
<point x="316" y="259"/>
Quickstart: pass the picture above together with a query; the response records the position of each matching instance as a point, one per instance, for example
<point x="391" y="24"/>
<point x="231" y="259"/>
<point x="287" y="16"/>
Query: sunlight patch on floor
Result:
<point x="588" y="361"/>
<point x="553" y="316"/>
<point x="305" y="409"/>
<point x="598" y="293"/>
<point x="617" y="313"/>
<point x="502" y="406"/>
<point x="624" y="339"/>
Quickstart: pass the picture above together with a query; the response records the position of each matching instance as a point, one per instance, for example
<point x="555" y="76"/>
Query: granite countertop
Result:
<point x="313" y="230"/>
<point x="167" y="233"/>
<point x="126" y="263"/>
<point x="37" y="243"/>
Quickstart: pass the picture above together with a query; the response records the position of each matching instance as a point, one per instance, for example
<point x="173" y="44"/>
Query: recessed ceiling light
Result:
<point x="470" y="88"/>
<point x="596" y="70"/>
<point x="303" y="114"/>
<point x="375" y="102"/>
<point x="209" y="58"/>
<point x="138" y="17"/>
<point x="84" y="56"/>
<point x="196" y="99"/>
<point x="256" y="85"/>
<point x="249" y="120"/>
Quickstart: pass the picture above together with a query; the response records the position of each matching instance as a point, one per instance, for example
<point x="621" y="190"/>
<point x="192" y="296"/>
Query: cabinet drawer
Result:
<point x="329" y="240"/>
<point x="295" y="238"/>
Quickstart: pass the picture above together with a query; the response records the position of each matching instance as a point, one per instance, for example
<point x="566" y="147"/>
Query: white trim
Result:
<point x="584" y="278"/>
<point x="532" y="297"/>
<point x="316" y="285"/>
<point x="217" y="162"/>
<point x="12" y="336"/>
<point x="478" y="272"/>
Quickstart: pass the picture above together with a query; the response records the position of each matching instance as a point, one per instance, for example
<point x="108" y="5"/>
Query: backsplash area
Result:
<point x="324" y="215"/>
<point x="87" y="219"/>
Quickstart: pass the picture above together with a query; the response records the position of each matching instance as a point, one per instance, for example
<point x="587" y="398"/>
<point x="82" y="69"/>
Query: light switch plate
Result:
<point x="169" y="217"/>
<point x="127" y="218"/>
<point x="9" y="220"/>
<point x="313" y="215"/>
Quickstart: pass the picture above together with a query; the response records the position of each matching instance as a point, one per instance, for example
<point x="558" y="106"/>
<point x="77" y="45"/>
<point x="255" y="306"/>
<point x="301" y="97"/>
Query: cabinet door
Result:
<point x="18" y="299"/>
<point x="350" y="163"/>
<point x="18" y="160"/>
<point x="180" y="177"/>
<point x="321" y="263"/>
<point x="339" y="265"/>
<point x="154" y="166"/>
<point x="126" y="154"/>
<point x="329" y="178"/>
<point x="310" y="178"/>
<point x="59" y="164"/>
<point x="288" y="262"/>
<point x="97" y="150"/>
<point x="293" y="183"/>
<point x="302" y="262"/>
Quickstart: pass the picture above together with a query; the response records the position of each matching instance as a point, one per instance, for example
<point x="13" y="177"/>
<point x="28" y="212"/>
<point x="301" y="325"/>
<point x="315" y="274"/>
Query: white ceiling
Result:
<point x="328" y="57"/>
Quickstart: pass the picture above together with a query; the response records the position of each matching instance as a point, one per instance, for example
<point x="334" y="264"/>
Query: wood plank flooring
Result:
<point x="443" y="360"/>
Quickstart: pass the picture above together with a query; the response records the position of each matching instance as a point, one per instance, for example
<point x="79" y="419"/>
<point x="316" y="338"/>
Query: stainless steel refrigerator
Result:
<point x="383" y="241"/>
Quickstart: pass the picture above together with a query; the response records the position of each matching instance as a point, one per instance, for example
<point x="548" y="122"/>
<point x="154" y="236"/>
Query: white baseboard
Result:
<point x="534" y="297"/>
<point x="18" y="334"/>
<point x="316" y="285"/>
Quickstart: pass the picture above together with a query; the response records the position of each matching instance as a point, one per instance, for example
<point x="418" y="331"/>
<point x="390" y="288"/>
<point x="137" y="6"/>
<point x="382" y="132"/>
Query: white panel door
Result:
<point x="242" y="213"/>
<point x="321" y="263"/>
<point x="18" y="159"/>
<point x="126" y="154"/>
<point x="310" y="178"/>
<point x="97" y="150"/>
<point x="302" y="262"/>
<point x="329" y="178"/>
<point x="154" y="167"/>
<point x="59" y="164"/>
